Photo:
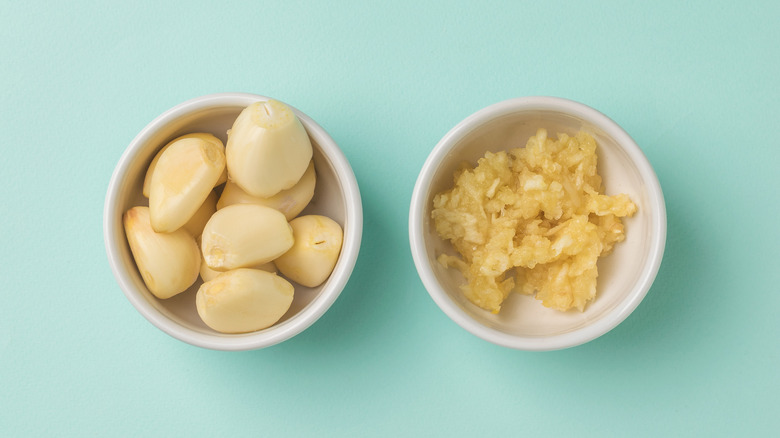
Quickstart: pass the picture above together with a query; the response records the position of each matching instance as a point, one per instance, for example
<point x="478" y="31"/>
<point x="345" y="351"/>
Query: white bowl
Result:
<point x="336" y="196"/>
<point x="625" y="276"/>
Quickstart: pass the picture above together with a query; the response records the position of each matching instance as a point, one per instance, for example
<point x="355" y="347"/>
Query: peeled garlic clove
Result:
<point x="290" y="202"/>
<point x="153" y="165"/>
<point x="268" y="149"/>
<point x="222" y="178"/>
<point x="198" y="221"/>
<point x="182" y="180"/>
<point x="243" y="300"/>
<point x="208" y="274"/>
<point x="243" y="235"/>
<point x="267" y="267"/>
<point x="168" y="262"/>
<point x="315" y="252"/>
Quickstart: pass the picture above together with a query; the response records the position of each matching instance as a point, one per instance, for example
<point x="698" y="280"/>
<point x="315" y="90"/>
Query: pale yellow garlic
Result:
<point x="208" y="274"/>
<point x="290" y="202"/>
<point x="243" y="300"/>
<point x="268" y="149"/>
<point x="202" y="135"/>
<point x="168" y="262"/>
<point x="244" y="235"/>
<point x="198" y="221"/>
<point x="315" y="252"/>
<point x="267" y="267"/>
<point x="182" y="180"/>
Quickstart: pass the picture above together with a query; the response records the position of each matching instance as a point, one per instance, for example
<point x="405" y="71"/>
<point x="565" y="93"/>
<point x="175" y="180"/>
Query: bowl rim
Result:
<point x="305" y="317"/>
<point x="574" y="337"/>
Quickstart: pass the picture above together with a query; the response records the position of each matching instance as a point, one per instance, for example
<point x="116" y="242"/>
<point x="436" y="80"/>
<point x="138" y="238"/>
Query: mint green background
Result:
<point x="695" y="84"/>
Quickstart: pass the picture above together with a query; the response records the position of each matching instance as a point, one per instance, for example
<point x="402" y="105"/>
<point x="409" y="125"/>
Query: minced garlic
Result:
<point x="532" y="217"/>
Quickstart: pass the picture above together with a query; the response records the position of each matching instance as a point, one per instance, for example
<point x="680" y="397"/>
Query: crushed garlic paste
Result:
<point x="531" y="217"/>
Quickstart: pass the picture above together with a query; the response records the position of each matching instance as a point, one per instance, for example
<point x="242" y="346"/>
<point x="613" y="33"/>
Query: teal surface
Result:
<point x="695" y="84"/>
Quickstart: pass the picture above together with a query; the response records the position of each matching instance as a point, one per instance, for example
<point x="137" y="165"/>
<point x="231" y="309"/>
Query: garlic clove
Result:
<point x="290" y="202"/>
<point x="244" y="235"/>
<point x="202" y="135"/>
<point x="168" y="262"/>
<point x="208" y="274"/>
<point x="198" y="221"/>
<point x="243" y="300"/>
<point x="182" y="180"/>
<point x="267" y="267"/>
<point x="268" y="149"/>
<point x="315" y="252"/>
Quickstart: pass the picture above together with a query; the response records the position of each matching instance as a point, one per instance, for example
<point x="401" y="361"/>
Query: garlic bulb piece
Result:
<point x="243" y="300"/>
<point x="153" y="164"/>
<point x="315" y="252"/>
<point x="198" y="221"/>
<point x="168" y="262"/>
<point x="208" y="274"/>
<point x="290" y="202"/>
<point x="182" y="180"/>
<point x="268" y="149"/>
<point x="244" y="235"/>
<point x="267" y="267"/>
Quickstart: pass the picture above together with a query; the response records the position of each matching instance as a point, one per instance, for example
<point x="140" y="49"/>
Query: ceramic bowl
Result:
<point x="625" y="276"/>
<point x="336" y="196"/>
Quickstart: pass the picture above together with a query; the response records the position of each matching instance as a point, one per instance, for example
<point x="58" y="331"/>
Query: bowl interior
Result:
<point x="329" y="200"/>
<point x="619" y="273"/>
